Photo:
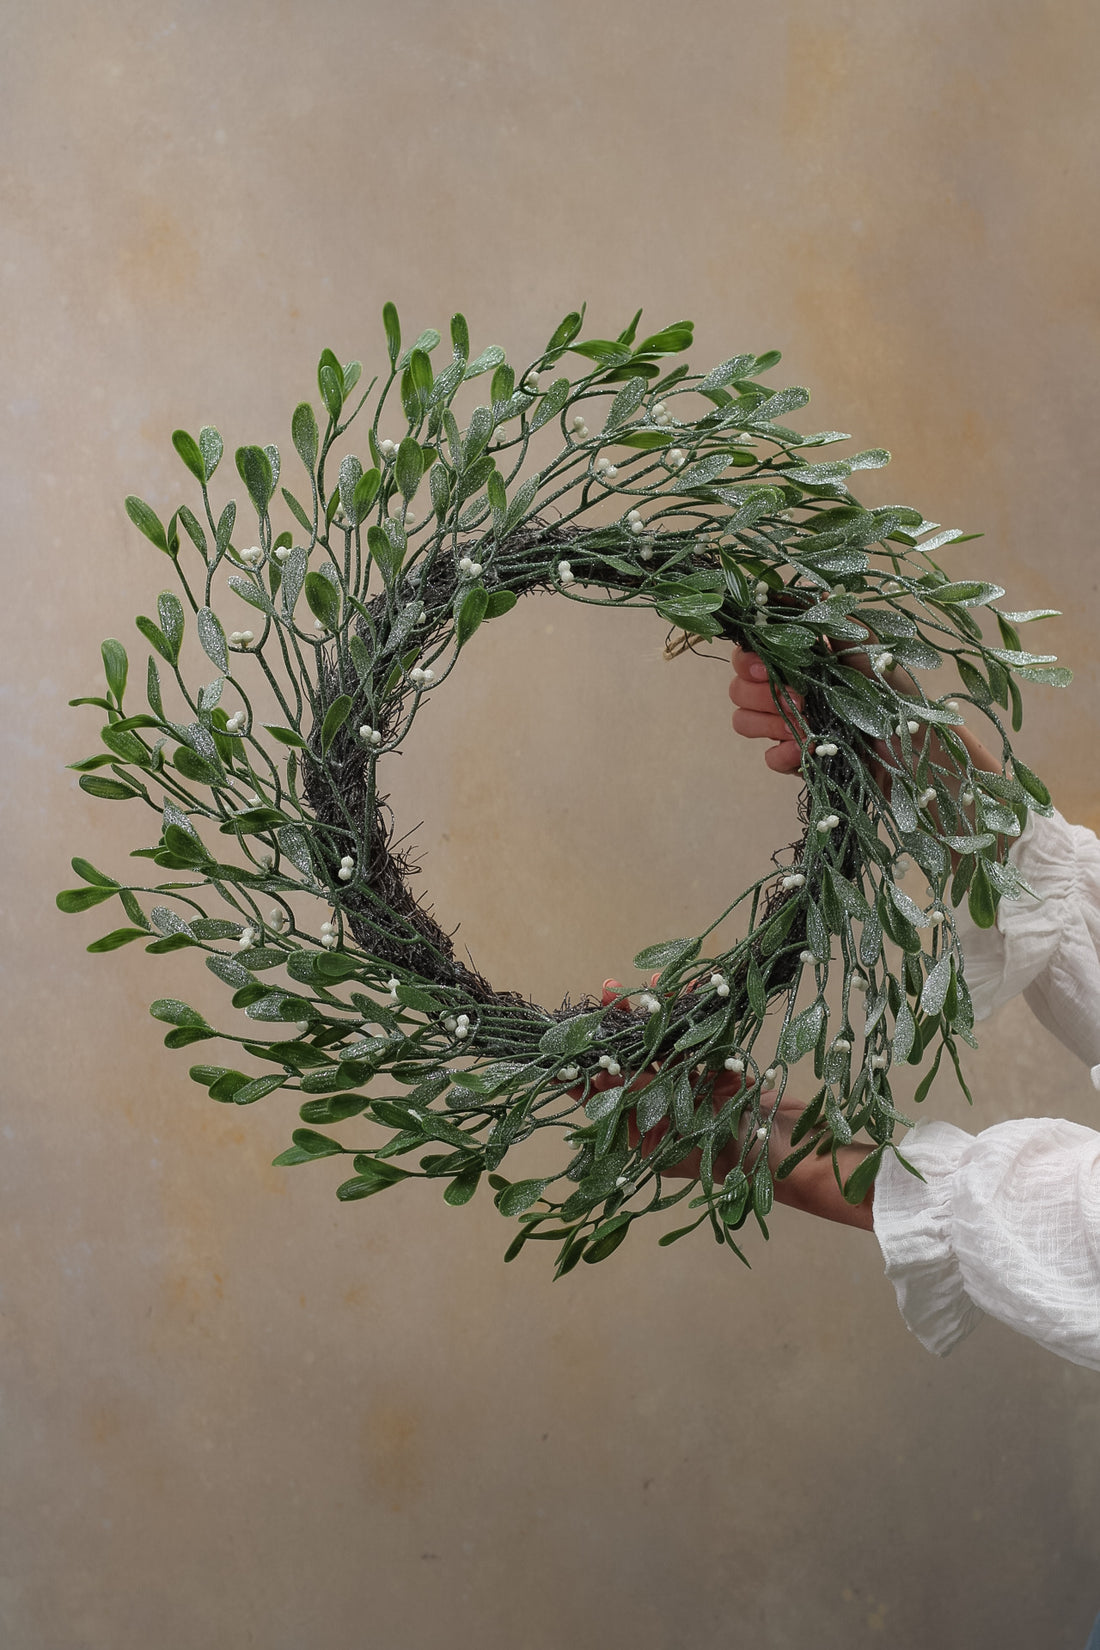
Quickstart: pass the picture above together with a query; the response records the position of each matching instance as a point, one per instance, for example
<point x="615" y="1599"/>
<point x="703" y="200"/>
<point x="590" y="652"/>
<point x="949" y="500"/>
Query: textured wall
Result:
<point x="236" y="1412"/>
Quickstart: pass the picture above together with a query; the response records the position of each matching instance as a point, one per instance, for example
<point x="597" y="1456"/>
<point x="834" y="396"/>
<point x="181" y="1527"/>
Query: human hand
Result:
<point x="812" y="1184"/>
<point x="760" y="715"/>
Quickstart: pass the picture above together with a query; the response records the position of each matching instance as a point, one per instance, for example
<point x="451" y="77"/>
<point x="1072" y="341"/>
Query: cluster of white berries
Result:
<point x="827" y="749"/>
<point x="794" y="879"/>
<point x="734" y="1063"/>
<point x="967" y="799"/>
<point x="926" y="797"/>
<point x="531" y="383"/>
<point x="767" y="1078"/>
<point x="882" y="661"/>
<point x="421" y="676"/>
<point x="465" y="565"/>
<point x="935" y="919"/>
<point x="329" y="935"/>
<point x="879" y="1062"/>
<point x="842" y="1045"/>
<point x="634" y="522"/>
<point x="347" y="868"/>
<point x="565" y="572"/>
<point x="235" y="723"/>
<point x="612" y="1067"/>
<point x="459" y="1026"/>
<point x="829" y="823"/>
<point x="762" y="1132"/>
<point x="648" y="1003"/>
<point x="661" y="415"/>
<point x="676" y="458"/>
<point x="951" y="704"/>
<point x="282" y="554"/>
<point x="579" y="427"/>
<point x="721" y="985"/>
<point x="247" y="939"/>
<point x="241" y="638"/>
<point x="760" y="594"/>
<point x="806" y="957"/>
<point x="604" y="467"/>
<point x="252" y="557"/>
<point x="859" y="983"/>
<point x="277" y="919"/>
<point x="369" y="735"/>
<point x="568" y="1074"/>
<point x="914" y="727"/>
<point x="387" y="448"/>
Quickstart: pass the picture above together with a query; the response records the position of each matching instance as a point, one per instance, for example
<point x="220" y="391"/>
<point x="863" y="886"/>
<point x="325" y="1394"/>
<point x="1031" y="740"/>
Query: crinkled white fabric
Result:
<point x="1048" y="947"/>
<point x="1008" y="1222"/>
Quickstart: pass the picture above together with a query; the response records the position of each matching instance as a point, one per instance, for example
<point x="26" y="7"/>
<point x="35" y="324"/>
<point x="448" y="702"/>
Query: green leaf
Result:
<point x="323" y="598"/>
<point x="170" y="613"/>
<point x="667" y="955"/>
<point x="366" y="491"/>
<point x="500" y="602"/>
<point x="968" y="593"/>
<point x="211" y="448"/>
<point x="255" y="470"/>
<point x="188" y="449"/>
<point x="115" y="667"/>
<point x="175" y="1013"/>
<point x="248" y="1093"/>
<point x="393" y="332"/>
<point x="155" y="637"/>
<point x="73" y="900"/>
<point x="409" y="466"/>
<point x="669" y="341"/>
<point x="303" y="430"/>
<point x="1052" y="676"/>
<point x="1032" y="784"/>
<point x="551" y="404"/>
<point x="802" y="1033"/>
<point x="316" y="1145"/>
<point x="981" y="901"/>
<point x="90" y="874"/>
<point x="146" y="520"/>
<point x="519" y="1196"/>
<point x="335" y="717"/>
<point x="936" y="986"/>
<point x="567" y="1037"/>
<point x="297" y="510"/>
<point x="117" y="937"/>
<point x="462" y="1188"/>
<point x="626" y="403"/>
<point x="286" y="736"/>
<point x="111" y="789"/>
<point x="474" y="607"/>
<point x="862" y="1178"/>
<point x="387" y="555"/>
<point x="212" y="637"/>
<point x="485" y="362"/>
<point x="754" y="985"/>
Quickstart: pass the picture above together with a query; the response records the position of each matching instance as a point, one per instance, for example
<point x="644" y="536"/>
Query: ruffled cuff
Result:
<point x="913" y="1223"/>
<point x="1047" y="946"/>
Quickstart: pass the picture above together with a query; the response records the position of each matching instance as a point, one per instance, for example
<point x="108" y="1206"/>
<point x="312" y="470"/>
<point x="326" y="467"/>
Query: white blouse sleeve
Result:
<point x="1006" y="1223"/>
<point x="1047" y="947"/>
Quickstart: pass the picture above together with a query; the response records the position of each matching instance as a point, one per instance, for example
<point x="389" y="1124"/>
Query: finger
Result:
<point x="759" y="696"/>
<point x="749" y="666"/>
<point x="757" y="724"/>
<point x="613" y="993"/>
<point x="786" y="757"/>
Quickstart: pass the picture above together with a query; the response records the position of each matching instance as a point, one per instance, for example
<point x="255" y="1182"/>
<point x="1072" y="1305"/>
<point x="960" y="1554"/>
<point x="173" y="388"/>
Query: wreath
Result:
<point x="631" y="485"/>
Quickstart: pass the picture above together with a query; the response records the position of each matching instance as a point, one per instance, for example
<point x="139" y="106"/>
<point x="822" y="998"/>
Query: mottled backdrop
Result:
<point x="236" y="1412"/>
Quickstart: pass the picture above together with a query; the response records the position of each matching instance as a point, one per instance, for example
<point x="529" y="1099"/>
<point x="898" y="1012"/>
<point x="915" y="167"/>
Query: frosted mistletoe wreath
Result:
<point x="653" y="488"/>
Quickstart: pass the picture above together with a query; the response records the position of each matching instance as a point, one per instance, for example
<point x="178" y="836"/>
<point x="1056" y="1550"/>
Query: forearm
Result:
<point x="813" y="1188"/>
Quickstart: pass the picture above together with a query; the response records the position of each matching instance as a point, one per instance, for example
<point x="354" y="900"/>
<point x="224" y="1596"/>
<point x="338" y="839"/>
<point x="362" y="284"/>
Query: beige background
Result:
<point x="236" y="1412"/>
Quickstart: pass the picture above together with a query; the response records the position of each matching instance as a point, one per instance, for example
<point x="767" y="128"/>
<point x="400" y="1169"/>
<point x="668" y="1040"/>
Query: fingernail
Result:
<point x="612" y="985"/>
<point x="759" y="673"/>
